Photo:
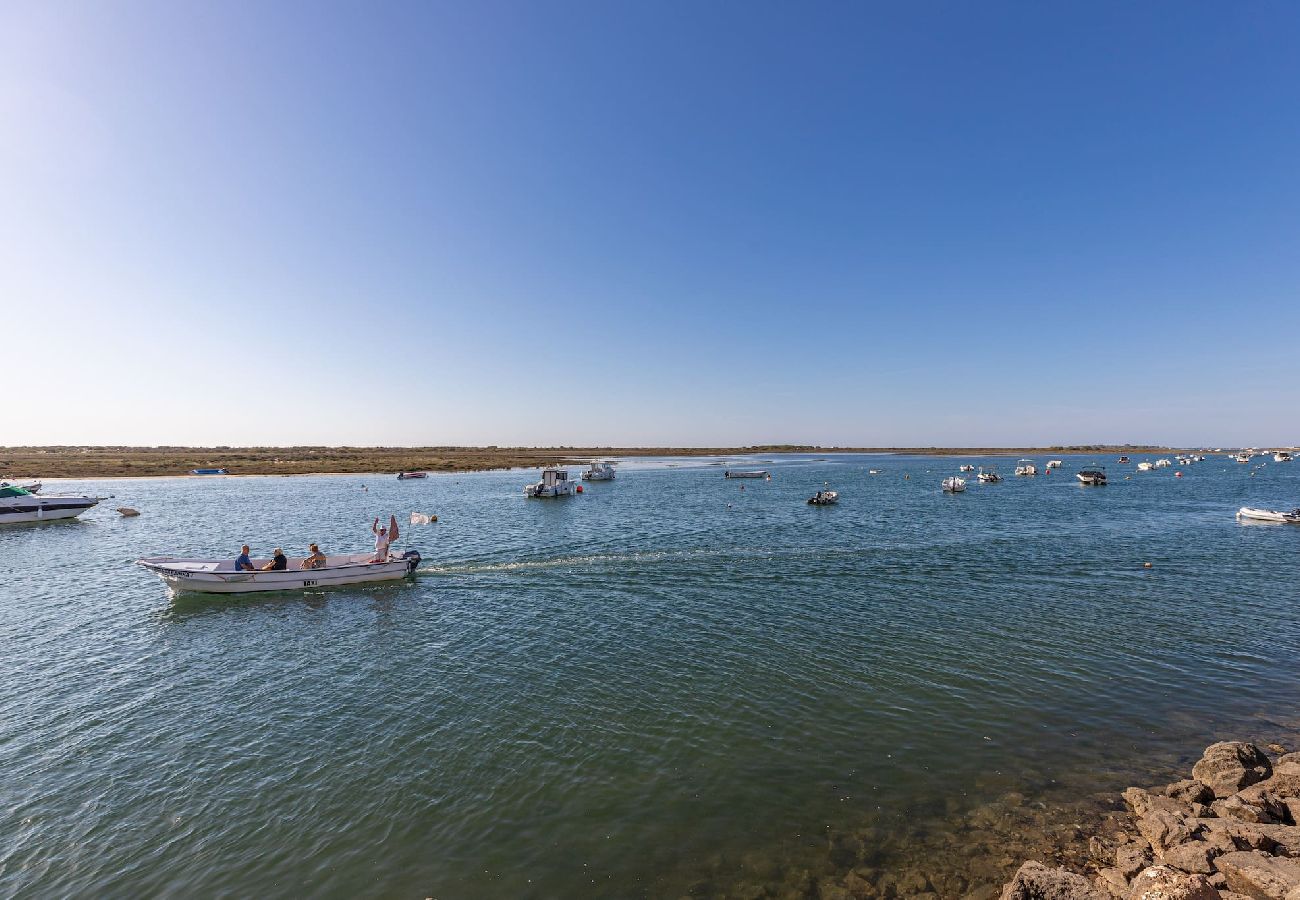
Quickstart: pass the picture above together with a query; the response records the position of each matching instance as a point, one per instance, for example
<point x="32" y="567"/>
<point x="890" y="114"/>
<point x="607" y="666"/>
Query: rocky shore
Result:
<point x="1230" y="831"/>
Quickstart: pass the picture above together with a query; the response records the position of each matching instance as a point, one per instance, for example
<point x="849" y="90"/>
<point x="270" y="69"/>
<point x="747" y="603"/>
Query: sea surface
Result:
<point x="671" y="684"/>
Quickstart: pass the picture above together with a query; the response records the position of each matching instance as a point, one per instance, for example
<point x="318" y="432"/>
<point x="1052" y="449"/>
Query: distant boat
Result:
<point x="1026" y="467"/>
<point x="20" y="506"/>
<point x="407" y="476"/>
<point x="600" y="471"/>
<point x="209" y="472"/>
<point x="1093" y="475"/>
<point x="1145" y="467"/>
<point x="1163" y="463"/>
<point x="966" y="468"/>
<point x="760" y="473"/>
<point x="954" y="485"/>
<point x="873" y="471"/>
<point x="1123" y="459"/>
<point x="1054" y="464"/>
<point x="1282" y="456"/>
<point x="555" y="483"/>
<point x="824" y="498"/>
<point x="1242" y="457"/>
<point x="989" y="475"/>
<point x="1269" y="515"/>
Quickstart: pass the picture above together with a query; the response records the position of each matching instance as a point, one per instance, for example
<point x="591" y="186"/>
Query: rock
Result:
<point x="1166" y="883"/>
<point x="1261" y="876"/>
<point x="1235" y="807"/>
<point x="1112" y="880"/>
<point x="1131" y="859"/>
<point x="1293" y="809"/>
<point x="1159" y="819"/>
<point x="1035" y="881"/>
<point x="1229" y="766"/>
<point x="1190" y="791"/>
<point x="1193" y="857"/>
<point x="1287" y="762"/>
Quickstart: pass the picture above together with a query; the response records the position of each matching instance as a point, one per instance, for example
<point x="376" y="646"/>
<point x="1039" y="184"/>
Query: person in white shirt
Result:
<point x="382" y="540"/>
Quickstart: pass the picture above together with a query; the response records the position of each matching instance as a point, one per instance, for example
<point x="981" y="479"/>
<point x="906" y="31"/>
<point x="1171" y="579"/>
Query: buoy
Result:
<point x="128" y="511"/>
<point x="1146" y="565"/>
<point x="579" y="489"/>
<point x="1178" y="474"/>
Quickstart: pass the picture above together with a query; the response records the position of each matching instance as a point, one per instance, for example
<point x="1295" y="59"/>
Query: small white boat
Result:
<point x="18" y="506"/>
<point x="989" y="475"/>
<point x="1242" y="457"/>
<point x="407" y="476"/>
<point x="555" y="483"/>
<point x="219" y="576"/>
<point x="954" y="485"/>
<point x="1269" y="515"/>
<point x="1026" y="467"/>
<point x="824" y="498"/>
<point x="1145" y="467"/>
<point x="759" y="473"/>
<point x="1054" y="463"/>
<point x="599" y="471"/>
<point x="1092" y="475"/>
<point x="873" y="471"/>
<point x="1163" y="463"/>
<point x="1282" y="456"/>
<point x="966" y="468"/>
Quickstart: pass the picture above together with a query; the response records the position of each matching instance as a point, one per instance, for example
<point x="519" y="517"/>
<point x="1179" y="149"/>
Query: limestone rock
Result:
<point x="1131" y="859"/>
<point x="1035" y="881"/>
<point x="1189" y="791"/>
<point x="1166" y="883"/>
<point x="1260" y="876"/>
<point x="1193" y="857"/>
<point x="1229" y="766"/>
<point x="1112" y="880"/>
<point x="1235" y="807"/>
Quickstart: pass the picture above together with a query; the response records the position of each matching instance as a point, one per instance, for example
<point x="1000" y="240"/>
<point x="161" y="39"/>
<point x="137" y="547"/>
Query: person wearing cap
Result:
<point x="279" y="562"/>
<point x="382" y="540"/>
<point x="316" y="560"/>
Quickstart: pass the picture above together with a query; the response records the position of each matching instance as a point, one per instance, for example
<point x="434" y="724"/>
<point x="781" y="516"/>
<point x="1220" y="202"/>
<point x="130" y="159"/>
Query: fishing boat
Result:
<point x="599" y="471"/>
<point x="209" y="472"/>
<point x="1269" y="515"/>
<point x="824" y="498"/>
<point x="1282" y="456"/>
<point x="989" y="475"/>
<point x="407" y="476"/>
<point x="1145" y="467"/>
<point x="1092" y="475"/>
<point x="19" y="505"/>
<point x="954" y="485"/>
<point x="759" y="473"/>
<point x="1026" y="467"/>
<point x="1054" y="463"/>
<point x="219" y="576"/>
<point x="555" y="483"/>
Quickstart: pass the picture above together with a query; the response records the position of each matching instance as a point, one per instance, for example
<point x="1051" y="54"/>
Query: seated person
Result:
<point x="242" y="562"/>
<point x="316" y="560"/>
<point x="278" y="562"/>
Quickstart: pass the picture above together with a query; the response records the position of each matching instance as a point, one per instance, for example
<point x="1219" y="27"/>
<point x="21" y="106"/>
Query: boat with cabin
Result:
<point x="1026" y="467"/>
<point x="599" y="471"/>
<point x="988" y="475"/>
<point x="555" y="483"/>
<point x="824" y="498"/>
<point x="219" y="576"/>
<point x="954" y="485"/>
<point x="1283" y="456"/>
<point x="1092" y="475"/>
<point x="18" y="505"/>
<point x="1054" y="463"/>
<point x="968" y="467"/>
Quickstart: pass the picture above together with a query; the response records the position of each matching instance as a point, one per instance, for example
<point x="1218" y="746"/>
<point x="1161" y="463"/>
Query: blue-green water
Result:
<point x="625" y="693"/>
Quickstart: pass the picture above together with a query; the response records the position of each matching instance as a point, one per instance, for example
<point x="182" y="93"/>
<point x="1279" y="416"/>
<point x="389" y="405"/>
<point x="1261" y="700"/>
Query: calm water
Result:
<point x="615" y="694"/>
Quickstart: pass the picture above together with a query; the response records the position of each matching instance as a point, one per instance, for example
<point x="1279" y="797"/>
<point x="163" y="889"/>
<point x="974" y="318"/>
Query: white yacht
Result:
<point x="555" y="483"/>
<point x="599" y="471"/>
<point x="19" y="505"/>
<point x="1026" y="467"/>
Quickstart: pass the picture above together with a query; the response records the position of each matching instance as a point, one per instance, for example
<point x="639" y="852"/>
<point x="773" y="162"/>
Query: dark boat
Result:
<point x="824" y="498"/>
<point x="1094" y="475"/>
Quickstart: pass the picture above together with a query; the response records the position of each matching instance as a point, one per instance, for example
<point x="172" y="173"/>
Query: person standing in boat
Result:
<point x="383" y="537"/>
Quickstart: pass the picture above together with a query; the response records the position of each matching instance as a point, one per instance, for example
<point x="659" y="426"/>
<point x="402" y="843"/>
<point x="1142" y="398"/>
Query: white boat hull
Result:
<point x="220" y="577"/>
<point x="1268" y="515"/>
<point x="44" y="509"/>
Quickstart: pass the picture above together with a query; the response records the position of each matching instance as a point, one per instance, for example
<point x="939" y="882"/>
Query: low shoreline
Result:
<point x="87" y="462"/>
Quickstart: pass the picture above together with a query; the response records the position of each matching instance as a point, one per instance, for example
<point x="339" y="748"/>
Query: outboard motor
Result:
<point x="412" y="558"/>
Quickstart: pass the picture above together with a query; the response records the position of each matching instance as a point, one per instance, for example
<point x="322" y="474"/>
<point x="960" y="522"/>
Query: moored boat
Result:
<point x="1283" y="456"/>
<point x="968" y="467"/>
<point x="759" y="473"/>
<point x="31" y="487"/>
<point x="1092" y="475"/>
<point x="1269" y="515"/>
<point x="989" y="475"/>
<point x="1026" y="467"/>
<point x="18" y="506"/>
<point x="954" y="485"/>
<point x="209" y="472"/>
<point x="1145" y="466"/>
<point x="219" y="576"/>
<point x="407" y="476"/>
<point x="1123" y="459"/>
<point x="1054" y="463"/>
<point x="824" y="498"/>
<point x="599" y="471"/>
<point x="555" y="483"/>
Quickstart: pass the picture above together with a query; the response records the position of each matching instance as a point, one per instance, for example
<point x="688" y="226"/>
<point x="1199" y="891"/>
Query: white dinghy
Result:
<point x="219" y="576"/>
<point x="1269" y="515"/>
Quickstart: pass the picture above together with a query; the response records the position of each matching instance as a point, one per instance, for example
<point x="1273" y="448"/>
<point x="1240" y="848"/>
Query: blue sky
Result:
<point x="655" y="223"/>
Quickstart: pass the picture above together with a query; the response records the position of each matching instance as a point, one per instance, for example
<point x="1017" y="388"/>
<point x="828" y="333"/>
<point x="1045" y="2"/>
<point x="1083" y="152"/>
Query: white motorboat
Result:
<point x="1269" y="515"/>
<point x="1092" y="475"/>
<point x="19" y="505"/>
<point x="1242" y="457"/>
<point x="31" y="487"/>
<point x="824" y="498"/>
<point x="873" y="471"/>
<point x="599" y="471"/>
<point x="758" y="473"/>
<point x="968" y="467"/>
<point x="989" y="475"/>
<point x="1054" y="463"/>
<point x="1282" y="456"/>
<point x="1163" y="463"/>
<point x="1026" y="467"/>
<point x="555" y="483"/>
<point x="954" y="485"/>
<point x="219" y="576"/>
<point x="1145" y="466"/>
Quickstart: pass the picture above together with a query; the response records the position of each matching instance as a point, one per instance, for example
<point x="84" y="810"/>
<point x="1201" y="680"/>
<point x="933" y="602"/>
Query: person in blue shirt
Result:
<point x="242" y="562"/>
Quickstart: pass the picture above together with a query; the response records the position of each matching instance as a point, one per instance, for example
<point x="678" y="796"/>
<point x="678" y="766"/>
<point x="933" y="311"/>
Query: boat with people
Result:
<point x="1092" y="475"/>
<point x="988" y="475"/>
<point x="824" y="498"/>
<point x="954" y="485"/>
<point x="757" y="473"/>
<point x="1269" y="515"/>
<point x="600" y="471"/>
<point x="407" y="476"/>
<point x="220" y="576"/>
<point x="18" y="505"/>
<point x="555" y="483"/>
<point x="1026" y="467"/>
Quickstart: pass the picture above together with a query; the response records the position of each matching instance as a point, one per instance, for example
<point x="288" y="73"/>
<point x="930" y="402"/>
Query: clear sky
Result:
<point x="969" y="223"/>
